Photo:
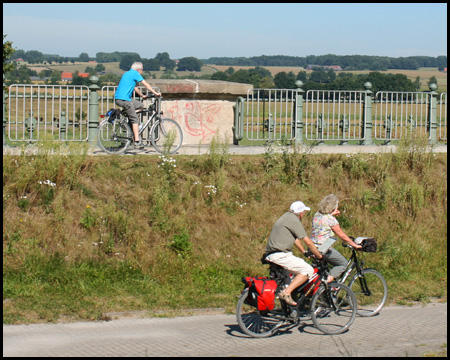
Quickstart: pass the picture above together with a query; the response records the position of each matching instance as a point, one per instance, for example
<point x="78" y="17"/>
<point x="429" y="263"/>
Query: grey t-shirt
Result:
<point x="285" y="231"/>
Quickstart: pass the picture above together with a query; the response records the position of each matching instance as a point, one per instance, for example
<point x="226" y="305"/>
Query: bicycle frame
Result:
<point x="303" y="296"/>
<point x="352" y="264"/>
<point x="156" y="110"/>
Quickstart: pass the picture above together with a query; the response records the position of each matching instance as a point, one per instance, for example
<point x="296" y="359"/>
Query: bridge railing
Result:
<point x="339" y="116"/>
<point x="72" y="113"/>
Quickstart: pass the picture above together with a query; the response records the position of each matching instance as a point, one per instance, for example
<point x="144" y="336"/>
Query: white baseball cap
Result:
<point x="298" y="207"/>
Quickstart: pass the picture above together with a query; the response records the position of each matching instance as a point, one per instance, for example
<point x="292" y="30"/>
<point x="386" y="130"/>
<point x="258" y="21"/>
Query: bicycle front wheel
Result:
<point x="371" y="292"/>
<point x="333" y="309"/>
<point x="166" y="136"/>
<point x="114" y="138"/>
<point x="257" y="324"/>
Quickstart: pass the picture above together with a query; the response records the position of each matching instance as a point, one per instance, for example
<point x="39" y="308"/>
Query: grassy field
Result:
<point x="87" y="235"/>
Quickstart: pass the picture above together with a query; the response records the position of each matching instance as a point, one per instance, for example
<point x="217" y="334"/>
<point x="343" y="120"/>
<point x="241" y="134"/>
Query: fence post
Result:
<point x="238" y="126"/>
<point x="62" y="125"/>
<point x="5" y="144"/>
<point x="432" y="115"/>
<point x="366" y="130"/>
<point x="93" y="120"/>
<point x="299" y="114"/>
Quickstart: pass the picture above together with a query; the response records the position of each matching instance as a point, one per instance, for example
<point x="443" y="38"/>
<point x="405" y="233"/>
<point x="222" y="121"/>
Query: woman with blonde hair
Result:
<point x="324" y="228"/>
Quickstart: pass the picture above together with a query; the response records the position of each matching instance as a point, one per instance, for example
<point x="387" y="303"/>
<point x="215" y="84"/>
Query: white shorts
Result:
<point x="292" y="263"/>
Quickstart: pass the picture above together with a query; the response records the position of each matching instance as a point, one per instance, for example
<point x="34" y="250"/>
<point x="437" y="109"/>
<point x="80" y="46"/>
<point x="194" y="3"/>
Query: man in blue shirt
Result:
<point x="124" y="92"/>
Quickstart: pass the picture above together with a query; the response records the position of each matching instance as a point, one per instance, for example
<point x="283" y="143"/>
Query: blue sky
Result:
<point x="229" y="29"/>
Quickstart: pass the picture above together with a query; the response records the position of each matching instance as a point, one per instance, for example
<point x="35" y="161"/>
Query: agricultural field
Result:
<point x="424" y="73"/>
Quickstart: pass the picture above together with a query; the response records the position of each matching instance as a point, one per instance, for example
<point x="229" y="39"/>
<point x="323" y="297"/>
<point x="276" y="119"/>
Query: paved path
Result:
<point x="396" y="331"/>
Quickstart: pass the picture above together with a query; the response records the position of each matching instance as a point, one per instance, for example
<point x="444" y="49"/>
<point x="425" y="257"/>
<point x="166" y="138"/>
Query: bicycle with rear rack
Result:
<point x="330" y="306"/>
<point x="368" y="285"/>
<point x="165" y="135"/>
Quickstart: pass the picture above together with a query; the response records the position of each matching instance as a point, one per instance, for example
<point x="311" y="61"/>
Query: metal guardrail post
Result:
<point x="62" y="125"/>
<point x="93" y="120"/>
<point x="320" y="130"/>
<point x="432" y="115"/>
<point x="388" y="127"/>
<point x="344" y="124"/>
<point x="299" y="114"/>
<point x="366" y="126"/>
<point x="5" y="144"/>
<point x="238" y="127"/>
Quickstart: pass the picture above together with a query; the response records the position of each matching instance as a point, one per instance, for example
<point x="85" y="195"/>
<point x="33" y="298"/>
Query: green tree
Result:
<point x="219" y="75"/>
<point x="241" y="76"/>
<point x="89" y="69"/>
<point x="432" y="80"/>
<point x="151" y="64"/>
<point x="127" y="61"/>
<point x="302" y="76"/>
<point x="84" y="57"/>
<point x="262" y="72"/>
<point x="283" y="80"/>
<point x="164" y="60"/>
<point x="189" y="64"/>
<point x="417" y="83"/>
<point x="230" y="71"/>
<point x="267" y="83"/>
<point x="7" y="53"/>
<point x="100" y="68"/>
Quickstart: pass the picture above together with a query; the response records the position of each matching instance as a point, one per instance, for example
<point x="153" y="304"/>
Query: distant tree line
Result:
<point x="319" y="79"/>
<point x="347" y="62"/>
<point x="161" y="60"/>
<point x="125" y="60"/>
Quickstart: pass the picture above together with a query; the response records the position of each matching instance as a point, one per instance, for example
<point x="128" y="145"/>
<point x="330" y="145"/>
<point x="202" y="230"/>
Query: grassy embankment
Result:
<point x="84" y="235"/>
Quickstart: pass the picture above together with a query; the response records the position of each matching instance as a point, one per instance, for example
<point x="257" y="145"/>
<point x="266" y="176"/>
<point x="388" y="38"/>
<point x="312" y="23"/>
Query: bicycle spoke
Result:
<point x="114" y="138"/>
<point x="256" y="323"/>
<point x="167" y="136"/>
<point x="371" y="292"/>
<point x="333" y="312"/>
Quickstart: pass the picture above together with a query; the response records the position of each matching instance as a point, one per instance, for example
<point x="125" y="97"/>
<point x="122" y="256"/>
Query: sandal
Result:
<point x="287" y="298"/>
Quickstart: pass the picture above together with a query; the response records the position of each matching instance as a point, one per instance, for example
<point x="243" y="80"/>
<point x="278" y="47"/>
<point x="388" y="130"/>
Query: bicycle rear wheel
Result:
<point x="166" y="136"/>
<point x="333" y="311"/>
<point x="257" y="324"/>
<point x="114" y="138"/>
<point x="370" y="290"/>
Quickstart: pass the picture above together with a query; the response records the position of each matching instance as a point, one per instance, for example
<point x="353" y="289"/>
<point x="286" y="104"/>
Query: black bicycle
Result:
<point x="164" y="134"/>
<point x="369" y="285"/>
<point x="330" y="306"/>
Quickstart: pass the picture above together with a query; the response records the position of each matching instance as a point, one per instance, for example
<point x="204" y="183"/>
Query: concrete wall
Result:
<point x="203" y="108"/>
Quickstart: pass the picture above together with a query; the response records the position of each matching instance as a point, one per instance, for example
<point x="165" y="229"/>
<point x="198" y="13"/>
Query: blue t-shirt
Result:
<point x="127" y="85"/>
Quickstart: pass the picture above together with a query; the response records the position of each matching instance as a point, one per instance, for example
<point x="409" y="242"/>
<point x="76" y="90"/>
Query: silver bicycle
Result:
<point x="164" y="134"/>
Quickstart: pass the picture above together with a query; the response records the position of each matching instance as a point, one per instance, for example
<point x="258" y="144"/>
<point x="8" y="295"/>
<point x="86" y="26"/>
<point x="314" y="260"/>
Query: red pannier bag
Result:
<point x="261" y="292"/>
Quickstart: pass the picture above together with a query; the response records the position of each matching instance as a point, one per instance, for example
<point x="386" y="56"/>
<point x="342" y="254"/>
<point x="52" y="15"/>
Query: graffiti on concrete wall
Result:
<point x="197" y="118"/>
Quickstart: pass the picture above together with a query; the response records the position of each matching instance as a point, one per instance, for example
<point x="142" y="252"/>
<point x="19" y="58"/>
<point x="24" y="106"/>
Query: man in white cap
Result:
<point x="287" y="232"/>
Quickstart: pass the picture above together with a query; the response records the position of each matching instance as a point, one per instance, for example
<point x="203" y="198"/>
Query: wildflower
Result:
<point x="213" y="189"/>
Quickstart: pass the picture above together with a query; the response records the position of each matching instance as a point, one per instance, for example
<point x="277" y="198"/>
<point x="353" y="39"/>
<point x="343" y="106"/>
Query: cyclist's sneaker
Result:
<point x="138" y="145"/>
